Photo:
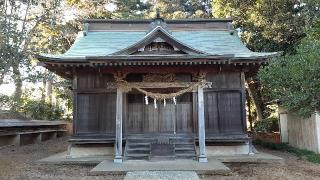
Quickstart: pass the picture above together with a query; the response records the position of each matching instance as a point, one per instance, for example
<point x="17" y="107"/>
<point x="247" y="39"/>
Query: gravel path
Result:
<point x="17" y="163"/>
<point x="163" y="175"/>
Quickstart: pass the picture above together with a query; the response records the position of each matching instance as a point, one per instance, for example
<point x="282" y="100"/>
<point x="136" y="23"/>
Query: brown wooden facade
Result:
<point x="96" y="111"/>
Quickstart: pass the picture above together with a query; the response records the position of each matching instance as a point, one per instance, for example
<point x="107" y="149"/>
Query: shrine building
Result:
<point x="158" y="89"/>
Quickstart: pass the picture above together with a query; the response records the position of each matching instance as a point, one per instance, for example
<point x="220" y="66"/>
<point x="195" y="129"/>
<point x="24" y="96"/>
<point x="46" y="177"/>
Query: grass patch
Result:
<point x="301" y="153"/>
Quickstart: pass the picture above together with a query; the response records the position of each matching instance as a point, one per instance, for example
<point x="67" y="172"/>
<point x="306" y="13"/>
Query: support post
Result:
<point x="283" y="116"/>
<point x="118" y="140"/>
<point x="75" y="103"/>
<point x="201" y="127"/>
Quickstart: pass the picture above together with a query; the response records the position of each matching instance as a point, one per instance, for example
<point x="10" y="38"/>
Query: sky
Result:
<point x="7" y="89"/>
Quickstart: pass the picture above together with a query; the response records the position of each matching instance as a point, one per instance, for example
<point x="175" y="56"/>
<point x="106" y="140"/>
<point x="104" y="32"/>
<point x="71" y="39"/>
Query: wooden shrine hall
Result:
<point x="158" y="89"/>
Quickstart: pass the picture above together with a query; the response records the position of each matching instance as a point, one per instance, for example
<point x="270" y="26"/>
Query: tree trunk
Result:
<point x="17" y="82"/>
<point x="250" y="117"/>
<point x="43" y="93"/>
<point x="253" y="91"/>
<point x="1" y="78"/>
<point x="49" y="92"/>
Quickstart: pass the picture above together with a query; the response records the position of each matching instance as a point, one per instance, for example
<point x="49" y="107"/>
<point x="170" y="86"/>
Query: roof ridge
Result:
<point x="151" y="20"/>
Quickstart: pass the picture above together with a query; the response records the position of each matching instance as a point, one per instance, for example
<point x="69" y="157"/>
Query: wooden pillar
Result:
<point x="201" y="127"/>
<point x="118" y="140"/>
<point x="243" y="102"/>
<point x="75" y="104"/>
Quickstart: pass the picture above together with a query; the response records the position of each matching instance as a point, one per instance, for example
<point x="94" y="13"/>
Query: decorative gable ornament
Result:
<point x="158" y="21"/>
<point x="159" y="37"/>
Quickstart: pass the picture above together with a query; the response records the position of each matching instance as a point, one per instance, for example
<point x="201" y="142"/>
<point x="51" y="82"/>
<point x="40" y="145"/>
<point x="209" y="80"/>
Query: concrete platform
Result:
<point x="61" y="158"/>
<point x="260" y="157"/>
<point x="214" y="166"/>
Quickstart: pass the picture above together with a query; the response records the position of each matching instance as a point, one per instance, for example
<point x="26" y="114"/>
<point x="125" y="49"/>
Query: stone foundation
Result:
<point x="77" y="151"/>
<point x="228" y="150"/>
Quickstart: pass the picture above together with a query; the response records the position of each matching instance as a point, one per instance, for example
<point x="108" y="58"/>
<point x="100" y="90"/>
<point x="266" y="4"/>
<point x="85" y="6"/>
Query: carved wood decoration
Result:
<point x="159" y="77"/>
<point x="155" y="78"/>
<point x="159" y="85"/>
<point x="159" y="80"/>
<point x="158" y="46"/>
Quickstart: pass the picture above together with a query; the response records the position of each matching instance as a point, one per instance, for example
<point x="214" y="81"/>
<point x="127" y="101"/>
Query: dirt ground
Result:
<point x="17" y="163"/>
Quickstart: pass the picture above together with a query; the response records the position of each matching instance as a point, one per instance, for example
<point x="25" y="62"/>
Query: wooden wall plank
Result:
<point x="184" y="119"/>
<point x="211" y="112"/>
<point x="167" y="117"/>
<point x="224" y="104"/>
<point x="230" y="116"/>
<point x="224" y="79"/>
<point x="96" y="113"/>
<point x="223" y="107"/>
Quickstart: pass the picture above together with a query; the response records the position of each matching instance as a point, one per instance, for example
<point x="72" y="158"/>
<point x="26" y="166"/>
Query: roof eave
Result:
<point x="43" y="58"/>
<point x="174" y="21"/>
<point x="86" y="59"/>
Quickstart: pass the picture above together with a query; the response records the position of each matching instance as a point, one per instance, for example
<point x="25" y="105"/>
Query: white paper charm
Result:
<point x="155" y="103"/>
<point x="146" y="99"/>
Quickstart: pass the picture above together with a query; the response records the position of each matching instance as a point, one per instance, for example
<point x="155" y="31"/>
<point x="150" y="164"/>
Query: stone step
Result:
<point x="137" y="158"/>
<point x="182" y="140"/>
<point x="184" y="151"/>
<point x="162" y="134"/>
<point x="184" y="145"/>
<point x="138" y="148"/>
<point x="186" y="157"/>
<point x="137" y="155"/>
<point x="166" y="168"/>
<point x="138" y="144"/>
<point x="140" y="141"/>
<point x="135" y="151"/>
<point x="161" y="158"/>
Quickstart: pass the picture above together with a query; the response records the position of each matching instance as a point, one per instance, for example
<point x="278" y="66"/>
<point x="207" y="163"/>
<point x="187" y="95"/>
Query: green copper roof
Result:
<point x="105" y="43"/>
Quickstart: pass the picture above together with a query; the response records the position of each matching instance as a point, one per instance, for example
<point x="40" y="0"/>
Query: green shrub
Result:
<point x="295" y="79"/>
<point x="31" y="109"/>
<point x="5" y="102"/>
<point x="267" y="125"/>
<point x="41" y="110"/>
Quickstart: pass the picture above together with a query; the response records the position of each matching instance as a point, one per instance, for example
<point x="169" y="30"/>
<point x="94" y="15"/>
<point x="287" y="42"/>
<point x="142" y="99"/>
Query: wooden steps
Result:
<point x="185" y="148"/>
<point x="137" y="148"/>
<point x="171" y="146"/>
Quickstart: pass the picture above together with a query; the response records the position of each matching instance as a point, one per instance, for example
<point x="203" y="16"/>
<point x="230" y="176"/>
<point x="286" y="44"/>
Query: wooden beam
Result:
<point x="153" y="85"/>
<point x="162" y="84"/>
<point x="95" y="90"/>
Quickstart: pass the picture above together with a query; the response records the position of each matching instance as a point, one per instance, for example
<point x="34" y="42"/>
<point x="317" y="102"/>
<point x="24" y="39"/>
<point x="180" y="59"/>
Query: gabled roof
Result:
<point x="118" y="40"/>
<point x="158" y="32"/>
